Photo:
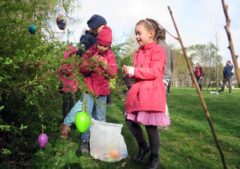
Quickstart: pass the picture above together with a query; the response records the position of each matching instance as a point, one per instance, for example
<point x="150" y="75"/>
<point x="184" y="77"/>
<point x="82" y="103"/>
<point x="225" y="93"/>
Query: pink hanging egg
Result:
<point x="42" y="140"/>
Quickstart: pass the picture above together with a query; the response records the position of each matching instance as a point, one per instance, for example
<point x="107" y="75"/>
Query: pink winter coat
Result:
<point x="148" y="91"/>
<point x="96" y="77"/>
<point x="66" y="72"/>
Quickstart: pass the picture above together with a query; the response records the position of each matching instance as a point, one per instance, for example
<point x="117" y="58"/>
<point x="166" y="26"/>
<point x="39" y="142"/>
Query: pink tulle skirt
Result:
<point x="160" y="119"/>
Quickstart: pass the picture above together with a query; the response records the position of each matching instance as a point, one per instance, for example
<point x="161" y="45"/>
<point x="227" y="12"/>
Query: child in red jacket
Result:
<point x="68" y="79"/>
<point x="95" y="24"/>
<point x="98" y="66"/>
<point x="146" y="99"/>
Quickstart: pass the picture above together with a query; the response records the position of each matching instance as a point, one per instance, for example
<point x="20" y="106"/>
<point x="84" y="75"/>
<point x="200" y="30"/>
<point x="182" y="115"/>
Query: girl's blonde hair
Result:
<point x="151" y="25"/>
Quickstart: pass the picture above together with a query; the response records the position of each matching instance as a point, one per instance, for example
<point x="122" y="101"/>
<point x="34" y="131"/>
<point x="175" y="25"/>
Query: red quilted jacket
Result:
<point x="97" y="78"/>
<point x="67" y="77"/>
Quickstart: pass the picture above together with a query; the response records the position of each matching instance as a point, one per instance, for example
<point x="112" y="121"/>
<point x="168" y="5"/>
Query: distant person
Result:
<point x="227" y="76"/>
<point x="146" y="100"/>
<point x="168" y="68"/>
<point x="95" y="23"/>
<point x="198" y="72"/>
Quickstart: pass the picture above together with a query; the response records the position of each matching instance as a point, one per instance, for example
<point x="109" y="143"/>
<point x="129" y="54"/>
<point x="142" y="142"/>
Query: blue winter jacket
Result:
<point x="86" y="41"/>
<point x="227" y="71"/>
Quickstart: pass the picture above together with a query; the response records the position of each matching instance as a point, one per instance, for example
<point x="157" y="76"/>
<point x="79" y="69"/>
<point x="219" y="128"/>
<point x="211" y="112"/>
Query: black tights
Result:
<point x="153" y="136"/>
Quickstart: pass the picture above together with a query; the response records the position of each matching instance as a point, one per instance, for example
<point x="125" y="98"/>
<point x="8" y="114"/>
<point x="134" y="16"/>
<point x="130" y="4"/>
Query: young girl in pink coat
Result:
<point x="146" y="100"/>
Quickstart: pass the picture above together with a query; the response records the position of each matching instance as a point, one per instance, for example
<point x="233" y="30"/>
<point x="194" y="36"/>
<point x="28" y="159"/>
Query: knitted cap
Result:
<point x="104" y="37"/>
<point x="96" y="21"/>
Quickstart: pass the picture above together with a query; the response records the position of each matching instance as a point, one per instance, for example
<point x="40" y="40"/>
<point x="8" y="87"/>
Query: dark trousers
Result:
<point x="109" y="100"/>
<point x="229" y="81"/>
<point x="168" y="86"/>
<point x="153" y="136"/>
<point x="68" y="102"/>
<point x="199" y="81"/>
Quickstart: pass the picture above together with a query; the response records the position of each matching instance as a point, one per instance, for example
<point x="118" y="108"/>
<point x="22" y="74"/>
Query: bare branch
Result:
<point x="203" y="103"/>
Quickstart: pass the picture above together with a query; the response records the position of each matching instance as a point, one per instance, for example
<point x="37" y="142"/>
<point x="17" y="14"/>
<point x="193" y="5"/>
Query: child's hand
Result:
<point x="129" y="70"/>
<point x="101" y="61"/>
<point x="165" y="82"/>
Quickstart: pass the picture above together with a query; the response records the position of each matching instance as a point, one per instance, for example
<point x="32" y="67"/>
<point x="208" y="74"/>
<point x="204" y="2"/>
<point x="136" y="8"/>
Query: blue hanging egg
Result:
<point x="32" y="28"/>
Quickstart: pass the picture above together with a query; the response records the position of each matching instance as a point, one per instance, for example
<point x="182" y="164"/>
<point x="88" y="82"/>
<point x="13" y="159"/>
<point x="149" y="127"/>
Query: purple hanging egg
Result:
<point x="42" y="140"/>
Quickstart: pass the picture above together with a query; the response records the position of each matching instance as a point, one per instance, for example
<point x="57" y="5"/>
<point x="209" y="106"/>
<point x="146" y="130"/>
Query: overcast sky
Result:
<point x="198" y="21"/>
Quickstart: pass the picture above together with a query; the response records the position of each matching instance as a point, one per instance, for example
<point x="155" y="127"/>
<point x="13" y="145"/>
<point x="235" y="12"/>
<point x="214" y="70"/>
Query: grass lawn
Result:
<point x="187" y="144"/>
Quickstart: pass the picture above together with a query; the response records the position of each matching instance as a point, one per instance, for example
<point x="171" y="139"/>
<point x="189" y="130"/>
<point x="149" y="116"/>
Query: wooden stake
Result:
<point x="229" y="36"/>
<point x="203" y="103"/>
